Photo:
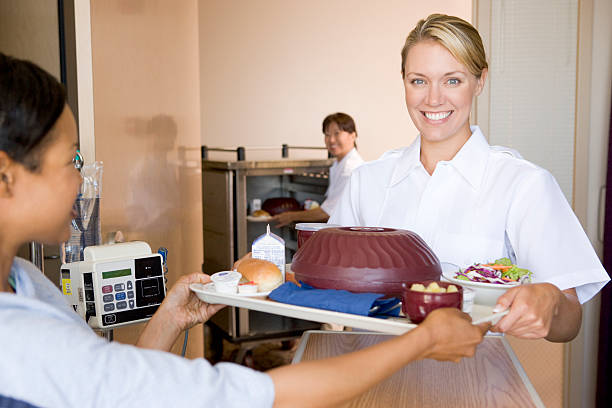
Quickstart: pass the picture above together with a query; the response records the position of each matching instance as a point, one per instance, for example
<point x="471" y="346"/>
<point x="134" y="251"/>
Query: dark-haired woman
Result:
<point x="50" y="357"/>
<point x="340" y="139"/>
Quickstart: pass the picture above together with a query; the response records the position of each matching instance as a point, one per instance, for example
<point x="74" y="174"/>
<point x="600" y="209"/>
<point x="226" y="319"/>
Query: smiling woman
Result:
<point x="340" y="135"/>
<point x="472" y="202"/>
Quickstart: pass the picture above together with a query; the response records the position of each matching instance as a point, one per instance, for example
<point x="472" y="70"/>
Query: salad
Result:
<point x="501" y="271"/>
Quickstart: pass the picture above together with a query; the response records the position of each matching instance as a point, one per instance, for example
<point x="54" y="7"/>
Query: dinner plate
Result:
<point x="449" y="270"/>
<point x="209" y="291"/>
<point x="263" y="218"/>
<point x="486" y="293"/>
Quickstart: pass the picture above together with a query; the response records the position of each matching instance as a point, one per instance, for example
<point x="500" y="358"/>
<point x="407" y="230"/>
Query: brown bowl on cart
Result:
<point x="416" y="305"/>
<point x="365" y="259"/>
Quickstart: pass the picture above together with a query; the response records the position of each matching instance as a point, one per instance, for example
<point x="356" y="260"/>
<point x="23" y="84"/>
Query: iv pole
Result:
<point x="37" y="255"/>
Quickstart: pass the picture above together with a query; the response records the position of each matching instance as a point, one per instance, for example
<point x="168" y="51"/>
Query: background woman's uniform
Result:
<point x="339" y="176"/>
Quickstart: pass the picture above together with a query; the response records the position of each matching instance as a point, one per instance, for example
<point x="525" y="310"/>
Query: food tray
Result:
<point x="210" y="287"/>
<point x="391" y="325"/>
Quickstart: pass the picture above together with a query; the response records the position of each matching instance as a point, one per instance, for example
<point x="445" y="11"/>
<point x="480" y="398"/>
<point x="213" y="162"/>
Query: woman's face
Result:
<point x="338" y="141"/>
<point x="45" y="197"/>
<point x="439" y="92"/>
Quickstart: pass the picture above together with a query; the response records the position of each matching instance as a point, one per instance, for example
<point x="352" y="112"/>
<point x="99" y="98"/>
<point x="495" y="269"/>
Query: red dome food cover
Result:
<point x="279" y="205"/>
<point x="365" y="259"/>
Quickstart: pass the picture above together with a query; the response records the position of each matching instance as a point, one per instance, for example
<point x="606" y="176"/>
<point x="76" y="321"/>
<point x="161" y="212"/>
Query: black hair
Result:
<point x="31" y="101"/>
<point x="344" y="122"/>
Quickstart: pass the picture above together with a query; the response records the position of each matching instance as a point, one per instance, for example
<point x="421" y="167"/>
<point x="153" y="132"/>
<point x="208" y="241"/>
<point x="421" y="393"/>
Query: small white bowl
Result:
<point x="486" y="293"/>
<point x="226" y="281"/>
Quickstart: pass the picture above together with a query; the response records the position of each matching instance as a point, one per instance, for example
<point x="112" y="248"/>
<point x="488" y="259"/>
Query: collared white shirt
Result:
<point x="50" y="357"/>
<point x="484" y="204"/>
<point x="339" y="175"/>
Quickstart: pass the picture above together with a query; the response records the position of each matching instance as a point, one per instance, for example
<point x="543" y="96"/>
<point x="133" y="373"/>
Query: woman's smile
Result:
<point x="437" y="117"/>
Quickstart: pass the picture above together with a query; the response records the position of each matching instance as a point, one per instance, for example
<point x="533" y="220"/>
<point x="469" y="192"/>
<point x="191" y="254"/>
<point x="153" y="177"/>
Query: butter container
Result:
<point x="226" y="281"/>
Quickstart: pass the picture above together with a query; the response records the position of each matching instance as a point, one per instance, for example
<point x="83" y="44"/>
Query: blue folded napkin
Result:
<point x="365" y="304"/>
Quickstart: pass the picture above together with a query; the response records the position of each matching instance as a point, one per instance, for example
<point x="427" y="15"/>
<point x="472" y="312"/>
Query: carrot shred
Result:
<point x="499" y="267"/>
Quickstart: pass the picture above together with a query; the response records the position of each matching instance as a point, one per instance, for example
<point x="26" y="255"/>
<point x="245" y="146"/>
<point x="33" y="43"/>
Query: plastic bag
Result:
<point x="86" y="226"/>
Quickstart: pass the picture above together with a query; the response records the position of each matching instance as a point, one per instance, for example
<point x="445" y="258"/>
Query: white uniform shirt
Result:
<point x="339" y="175"/>
<point x="51" y="358"/>
<point x="484" y="204"/>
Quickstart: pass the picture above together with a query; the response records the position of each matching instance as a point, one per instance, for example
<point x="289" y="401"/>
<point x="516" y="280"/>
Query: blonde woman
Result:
<point x="472" y="202"/>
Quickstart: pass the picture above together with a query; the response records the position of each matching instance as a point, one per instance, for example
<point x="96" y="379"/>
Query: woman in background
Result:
<point x="50" y="357"/>
<point x="340" y="139"/>
<point x="472" y="202"/>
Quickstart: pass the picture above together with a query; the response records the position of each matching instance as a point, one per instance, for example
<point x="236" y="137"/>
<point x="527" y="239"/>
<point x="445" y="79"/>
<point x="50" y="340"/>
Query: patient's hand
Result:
<point x="184" y="307"/>
<point x="180" y="310"/>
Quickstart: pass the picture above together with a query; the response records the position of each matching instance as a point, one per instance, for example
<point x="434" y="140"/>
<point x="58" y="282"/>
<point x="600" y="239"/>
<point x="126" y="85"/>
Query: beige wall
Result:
<point x="29" y="30"/>
<point x="272" y="70"/>
<point x="147" y="111"/>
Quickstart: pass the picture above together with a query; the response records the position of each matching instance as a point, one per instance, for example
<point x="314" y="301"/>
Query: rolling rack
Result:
<point x="227" y="189"/>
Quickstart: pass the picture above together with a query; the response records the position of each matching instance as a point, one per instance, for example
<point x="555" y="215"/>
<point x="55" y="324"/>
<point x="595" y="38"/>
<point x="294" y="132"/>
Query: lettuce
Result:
<point x="514" y="273"/>
<point x="503" y="261"/>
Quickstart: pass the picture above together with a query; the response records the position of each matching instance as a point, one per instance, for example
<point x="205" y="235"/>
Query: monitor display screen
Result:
<point x="116" y="274"/>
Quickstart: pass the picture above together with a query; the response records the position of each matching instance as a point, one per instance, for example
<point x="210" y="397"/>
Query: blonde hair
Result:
<point x="458" y="36"/>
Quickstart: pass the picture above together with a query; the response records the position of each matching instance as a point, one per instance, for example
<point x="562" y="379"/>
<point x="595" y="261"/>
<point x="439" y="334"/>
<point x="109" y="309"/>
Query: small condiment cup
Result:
<point x="226" y="281"/>
<point x="247" y="288"/>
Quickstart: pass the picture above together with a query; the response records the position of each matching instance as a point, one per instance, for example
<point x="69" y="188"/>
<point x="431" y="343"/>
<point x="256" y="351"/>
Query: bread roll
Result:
<point x="265" y="274"/>
<point x="260" y="213"/>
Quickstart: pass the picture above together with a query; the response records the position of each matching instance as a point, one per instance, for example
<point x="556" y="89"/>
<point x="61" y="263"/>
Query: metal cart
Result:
<point x="227" y="189"/>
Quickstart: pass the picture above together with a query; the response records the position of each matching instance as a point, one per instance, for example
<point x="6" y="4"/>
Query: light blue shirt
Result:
<point x="50" y="357"/>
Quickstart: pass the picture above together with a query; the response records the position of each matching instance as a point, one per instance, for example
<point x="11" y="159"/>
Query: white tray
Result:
<point x="391" y="325"/>
<point x="210" y="288"/>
